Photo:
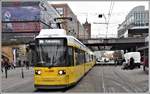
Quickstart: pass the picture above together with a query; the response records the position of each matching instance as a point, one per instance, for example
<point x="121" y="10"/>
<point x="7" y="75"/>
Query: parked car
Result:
<point x="106" y="60"/>
<point x="99" y="61"/>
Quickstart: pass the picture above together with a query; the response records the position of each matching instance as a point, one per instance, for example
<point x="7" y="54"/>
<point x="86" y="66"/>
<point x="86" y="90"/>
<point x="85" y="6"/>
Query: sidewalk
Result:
<point x="14" y="78"/>
<point x="16" y="72"/>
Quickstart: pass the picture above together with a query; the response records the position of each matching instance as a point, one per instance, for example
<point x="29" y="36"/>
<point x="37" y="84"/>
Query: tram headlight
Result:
<point x="38" y="72"/>
<point x="61" y="72"/>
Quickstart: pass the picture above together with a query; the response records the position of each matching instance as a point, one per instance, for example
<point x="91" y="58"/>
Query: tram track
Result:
<point x="127" y="82"/>
<point x="109" y="82"/>
<point x="118" y="80"/>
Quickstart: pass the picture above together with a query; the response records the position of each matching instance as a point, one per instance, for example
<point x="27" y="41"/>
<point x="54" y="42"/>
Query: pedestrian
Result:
<point x="28" y="58"/>
<point x="19" y="63"/>
<point x="116" y="61"/>
<point x="126" y="64"/>
<point x="132" y="65"/>
<point x="6" y="66"/>
<point x="142" y="59"/>
<point x="145" y="63"/>
<point x="2" y="64"/>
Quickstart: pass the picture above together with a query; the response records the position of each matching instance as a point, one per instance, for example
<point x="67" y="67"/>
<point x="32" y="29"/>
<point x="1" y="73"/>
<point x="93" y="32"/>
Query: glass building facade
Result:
<point x="137" y="18"/>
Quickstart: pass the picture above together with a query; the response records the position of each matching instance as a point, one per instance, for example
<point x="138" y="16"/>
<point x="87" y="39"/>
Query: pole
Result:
<point x="22" y="73"/>
<point x="106" y="29"/>
<point x="6" y="68"/>
<point x="35" y="27"/>
<point x="106" y="24"/>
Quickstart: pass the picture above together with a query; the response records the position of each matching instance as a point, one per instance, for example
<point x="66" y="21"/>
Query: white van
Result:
<point x="136" y="56"/>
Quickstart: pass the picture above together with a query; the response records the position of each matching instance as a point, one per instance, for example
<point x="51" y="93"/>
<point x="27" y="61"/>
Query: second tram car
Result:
<point x="61" y="60"/>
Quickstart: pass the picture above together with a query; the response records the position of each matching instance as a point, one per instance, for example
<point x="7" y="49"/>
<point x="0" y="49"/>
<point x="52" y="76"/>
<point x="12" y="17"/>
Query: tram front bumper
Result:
<point x="51" y="86"/>
<point x="50" y="82"/>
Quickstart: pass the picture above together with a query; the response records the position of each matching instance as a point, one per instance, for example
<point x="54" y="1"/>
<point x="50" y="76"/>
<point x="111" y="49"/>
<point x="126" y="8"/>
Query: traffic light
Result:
<point x="100" y="15"/>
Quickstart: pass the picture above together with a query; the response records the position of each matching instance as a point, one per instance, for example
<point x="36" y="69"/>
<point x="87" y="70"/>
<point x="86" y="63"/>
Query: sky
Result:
<point x="91" y="9"/>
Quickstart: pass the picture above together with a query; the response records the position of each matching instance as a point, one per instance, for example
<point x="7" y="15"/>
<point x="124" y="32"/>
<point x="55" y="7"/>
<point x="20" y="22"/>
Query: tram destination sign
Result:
<point x="51" y="41"/>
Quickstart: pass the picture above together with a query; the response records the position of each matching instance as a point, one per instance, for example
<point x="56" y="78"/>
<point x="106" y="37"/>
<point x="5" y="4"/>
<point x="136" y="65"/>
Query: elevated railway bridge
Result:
<point x="95" y="44"/>
<point x="130" y="44"/>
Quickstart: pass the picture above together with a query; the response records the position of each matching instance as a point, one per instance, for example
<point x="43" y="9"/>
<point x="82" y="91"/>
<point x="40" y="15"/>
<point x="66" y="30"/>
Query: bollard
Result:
<point x="5" y="72"/>
<point x="22" y="74"/>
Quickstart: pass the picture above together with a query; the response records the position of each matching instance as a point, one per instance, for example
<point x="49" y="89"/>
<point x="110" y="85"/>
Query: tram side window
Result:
<point x="79" y="56"/>
<point x="70" y="59"/>
<point x="82" y="57"/>
<point x="76" y="56"/>
<point x="87" y="57"/>
<point x="91" y="57"/>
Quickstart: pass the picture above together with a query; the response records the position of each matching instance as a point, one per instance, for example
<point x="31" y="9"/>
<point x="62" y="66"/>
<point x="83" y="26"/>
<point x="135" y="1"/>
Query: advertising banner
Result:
<point x="20" y="13"/>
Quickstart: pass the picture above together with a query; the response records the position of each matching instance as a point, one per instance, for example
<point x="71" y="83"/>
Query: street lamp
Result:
<point x="100" y="16"/>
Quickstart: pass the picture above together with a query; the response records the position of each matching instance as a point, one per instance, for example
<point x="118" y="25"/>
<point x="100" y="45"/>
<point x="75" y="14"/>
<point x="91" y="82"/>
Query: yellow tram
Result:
<point x="61" y="60"/>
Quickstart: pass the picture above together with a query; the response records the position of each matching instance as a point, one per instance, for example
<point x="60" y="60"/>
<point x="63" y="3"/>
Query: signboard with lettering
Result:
<point x="51" y="41"/>
<point x="10" y="12"/>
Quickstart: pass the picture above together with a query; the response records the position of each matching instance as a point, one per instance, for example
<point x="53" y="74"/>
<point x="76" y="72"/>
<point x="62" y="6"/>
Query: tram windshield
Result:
<point x="51" y="52"/>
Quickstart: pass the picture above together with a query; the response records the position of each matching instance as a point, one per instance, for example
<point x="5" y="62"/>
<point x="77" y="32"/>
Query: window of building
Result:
<point x="61" y="11"/>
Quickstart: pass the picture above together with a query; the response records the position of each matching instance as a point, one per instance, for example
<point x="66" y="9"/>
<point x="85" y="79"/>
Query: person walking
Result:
<point x="2" y="64"/>
<point x="6" y="66"/>
<point x="28" y="58"/>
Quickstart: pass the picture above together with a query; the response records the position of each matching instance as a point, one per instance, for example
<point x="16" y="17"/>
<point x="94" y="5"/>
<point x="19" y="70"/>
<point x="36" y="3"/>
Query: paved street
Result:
<point x="113" y="79"/>
<point x="99" y="79"/>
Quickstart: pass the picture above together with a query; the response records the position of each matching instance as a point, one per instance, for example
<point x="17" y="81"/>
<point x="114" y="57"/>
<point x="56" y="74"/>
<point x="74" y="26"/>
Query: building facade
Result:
<point x="21" y="22"/>
<point x="69" y="21"/>
<point x="135" y="24"/>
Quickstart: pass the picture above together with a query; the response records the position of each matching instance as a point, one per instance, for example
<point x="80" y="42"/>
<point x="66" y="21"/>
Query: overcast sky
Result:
<point x="91" y="9"/>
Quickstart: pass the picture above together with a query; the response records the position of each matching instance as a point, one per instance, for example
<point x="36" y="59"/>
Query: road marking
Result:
<point x="103" y="83"/>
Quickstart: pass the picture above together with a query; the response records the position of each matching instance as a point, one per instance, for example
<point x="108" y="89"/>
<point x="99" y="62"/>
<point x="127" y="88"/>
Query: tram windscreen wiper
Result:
<point x="51" y="63"/>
